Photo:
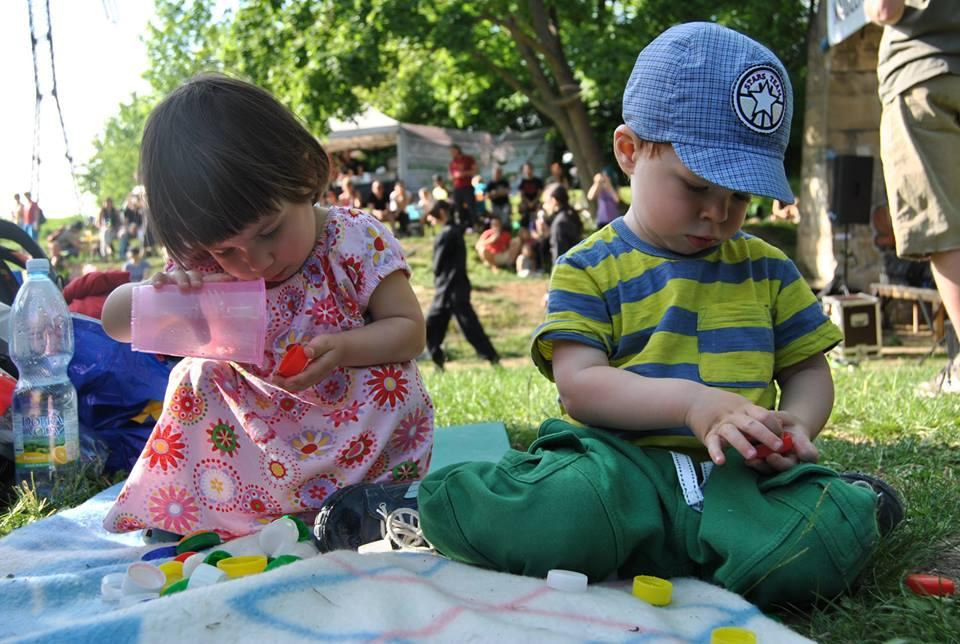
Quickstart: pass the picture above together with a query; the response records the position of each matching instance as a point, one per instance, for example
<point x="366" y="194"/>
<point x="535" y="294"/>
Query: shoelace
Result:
<point x="402" y="529"/>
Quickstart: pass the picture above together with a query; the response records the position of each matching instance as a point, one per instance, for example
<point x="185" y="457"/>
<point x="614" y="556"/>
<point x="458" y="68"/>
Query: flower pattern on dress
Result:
<point x="388" y="385"/>
<point x="406" y="471"/>
<point x="414" y="430"/>
<point x="334" y="389"/>
<point x="357" y="450"/>
<point x="290" y="407"/>
<point x="256" y="500"/>
<point x="187" y="406"/>
<point x="257" y="428"/>
<point x="378" y="468"/>
<point x="353" y="267"/>
<point x="127" y="522"/>
<point x="164" y="448"/>
<point x="311" y="443"/>
<point x="314" y="492"/>
<point x="226" y="381"/>
<point x="376" y="246"/>
<point x="217" y="483"/>
<point x="348" y="414"/>
<point x="279" y="468"/>
<point x="326" y="311"/>
<point x="288" y="304"/>
<point x="223" y="437"/>
<point x="173" y="509"/>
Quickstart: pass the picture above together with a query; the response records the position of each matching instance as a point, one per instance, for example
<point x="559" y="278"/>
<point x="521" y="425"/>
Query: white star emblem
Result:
<point x="765" y="101"/>
<point x="759" y="100"/>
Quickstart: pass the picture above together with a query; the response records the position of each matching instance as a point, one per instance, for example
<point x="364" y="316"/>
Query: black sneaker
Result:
<point x="368" y="512"/>
<point x="890" y="510"/>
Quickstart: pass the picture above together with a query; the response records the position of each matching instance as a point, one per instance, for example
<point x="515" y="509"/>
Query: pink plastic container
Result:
<point x="220" y="320"/>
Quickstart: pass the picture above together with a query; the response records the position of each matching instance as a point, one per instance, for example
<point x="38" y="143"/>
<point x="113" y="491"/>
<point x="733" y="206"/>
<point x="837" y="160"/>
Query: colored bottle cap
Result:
<point x="243" y="566"/>
<point x="175" y="587"/>
<point x="159" y="553"/>
<point x="216" y="556"/>
<point x="732" y="635"/>
<point x="190" y="563"/>
<point x="143" y="577"/>
<point x="282" y="560"/>
<point x="172" y="570"/>
<point x="567" y="580"/>
<point x="302" y="549"/>
<point x="934" y="585"/>
<point x="294" y="361"/>
<point x="302" y="528"/>
<point x="653" y="590"/>
<point x="197" y="541"/>
<point x="787" y="439"/>
<point x="183" y="556"/>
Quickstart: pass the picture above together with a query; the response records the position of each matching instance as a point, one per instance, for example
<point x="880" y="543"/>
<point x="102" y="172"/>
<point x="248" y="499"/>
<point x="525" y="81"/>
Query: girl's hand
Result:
<point x="325" y="352"/>
<point x="187" y="280"/>
<point x="720" y="418"/>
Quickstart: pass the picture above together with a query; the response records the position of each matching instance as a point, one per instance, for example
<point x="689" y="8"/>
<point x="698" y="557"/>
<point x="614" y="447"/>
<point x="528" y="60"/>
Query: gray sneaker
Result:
<point x="890" y="510"/>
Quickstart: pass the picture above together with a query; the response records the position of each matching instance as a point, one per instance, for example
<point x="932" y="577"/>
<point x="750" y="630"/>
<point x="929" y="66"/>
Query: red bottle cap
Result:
<point x="931" y="585"/>
<point x="294" y="361"/>
<point x="763" y="451"/>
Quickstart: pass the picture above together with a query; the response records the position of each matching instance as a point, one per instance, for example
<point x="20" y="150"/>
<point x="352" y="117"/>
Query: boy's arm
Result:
<point x="597" y="394"/>
<point x="806" y="400"/>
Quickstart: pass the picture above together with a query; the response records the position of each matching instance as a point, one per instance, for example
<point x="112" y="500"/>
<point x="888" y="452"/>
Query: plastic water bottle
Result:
<point x="46" y="437"/>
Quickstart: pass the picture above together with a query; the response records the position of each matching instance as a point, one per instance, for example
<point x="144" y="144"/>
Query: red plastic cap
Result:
<point x="931" y="585"/>
<point x="763" y="451"/>
<point x="7" y="385"/>
<point x="294" y="361"/>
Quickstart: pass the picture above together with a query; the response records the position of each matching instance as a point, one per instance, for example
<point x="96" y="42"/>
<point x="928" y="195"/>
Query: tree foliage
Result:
<point x="486" y="64"/>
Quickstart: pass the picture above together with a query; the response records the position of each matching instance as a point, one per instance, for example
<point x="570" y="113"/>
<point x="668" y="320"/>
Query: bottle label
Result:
<point x="42" y="441"/>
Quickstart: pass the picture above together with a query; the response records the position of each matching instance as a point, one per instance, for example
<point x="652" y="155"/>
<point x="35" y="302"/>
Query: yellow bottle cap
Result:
<point x="243" y="566"/>
<point x="732" y="635"/>
<point x="652" y="590"/>
<point x="172" y="569"/>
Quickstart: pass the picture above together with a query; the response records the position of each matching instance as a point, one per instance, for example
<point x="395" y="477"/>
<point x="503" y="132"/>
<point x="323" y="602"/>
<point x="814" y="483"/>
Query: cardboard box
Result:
<point x="858" y="316"/>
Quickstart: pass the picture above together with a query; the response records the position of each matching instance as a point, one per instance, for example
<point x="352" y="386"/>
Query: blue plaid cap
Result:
<point x="723" y="100"/>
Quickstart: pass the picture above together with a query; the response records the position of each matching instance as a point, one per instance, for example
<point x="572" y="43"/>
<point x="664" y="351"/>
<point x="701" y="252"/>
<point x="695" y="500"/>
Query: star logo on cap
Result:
<point x="758" y="99"/>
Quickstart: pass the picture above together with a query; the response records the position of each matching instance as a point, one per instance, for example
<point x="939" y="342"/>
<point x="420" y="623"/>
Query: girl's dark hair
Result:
<point x="558" y="192"/>
<point x="217" y="155"/>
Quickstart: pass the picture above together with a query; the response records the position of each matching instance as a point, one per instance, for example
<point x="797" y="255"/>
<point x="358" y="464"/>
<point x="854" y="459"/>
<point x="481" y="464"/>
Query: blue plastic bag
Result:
<point x="114" y="384"/>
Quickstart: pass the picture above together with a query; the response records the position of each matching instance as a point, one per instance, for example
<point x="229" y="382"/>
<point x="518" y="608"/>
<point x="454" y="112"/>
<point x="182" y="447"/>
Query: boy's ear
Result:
<point x="625" y="148"/>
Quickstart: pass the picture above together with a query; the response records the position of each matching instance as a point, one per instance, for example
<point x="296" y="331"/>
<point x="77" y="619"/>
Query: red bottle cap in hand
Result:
<point x="763" y="451"/>
<point x="294" y="361"/>
<point x="931" y="585"/>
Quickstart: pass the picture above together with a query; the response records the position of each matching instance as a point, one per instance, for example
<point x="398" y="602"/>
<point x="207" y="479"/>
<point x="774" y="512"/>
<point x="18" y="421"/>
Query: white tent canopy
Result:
<point x="423" y="150"/>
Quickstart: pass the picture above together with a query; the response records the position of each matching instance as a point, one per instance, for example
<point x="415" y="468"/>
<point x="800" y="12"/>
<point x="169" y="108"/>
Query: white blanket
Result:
<point x="50" y="574"/>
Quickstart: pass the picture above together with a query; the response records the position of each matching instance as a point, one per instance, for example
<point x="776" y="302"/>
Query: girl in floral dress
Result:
<point x="231" y="177"/>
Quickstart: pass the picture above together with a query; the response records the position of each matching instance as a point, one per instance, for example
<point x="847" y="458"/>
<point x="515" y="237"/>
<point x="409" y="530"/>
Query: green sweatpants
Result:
<point x="582" y="499"/>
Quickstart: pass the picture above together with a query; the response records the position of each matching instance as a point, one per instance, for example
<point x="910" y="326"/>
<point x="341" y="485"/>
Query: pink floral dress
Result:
<point x="231" y="452"/>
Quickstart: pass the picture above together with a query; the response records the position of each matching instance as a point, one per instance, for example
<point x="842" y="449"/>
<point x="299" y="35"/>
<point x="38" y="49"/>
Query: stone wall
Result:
<point x="842" y="116"/>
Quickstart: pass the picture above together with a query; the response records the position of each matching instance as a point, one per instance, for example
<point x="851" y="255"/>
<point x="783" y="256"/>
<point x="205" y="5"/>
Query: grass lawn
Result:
<point x="879" y="425"/>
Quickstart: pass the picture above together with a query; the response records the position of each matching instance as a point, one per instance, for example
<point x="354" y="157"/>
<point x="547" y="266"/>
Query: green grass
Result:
<point x="879" y="425"/>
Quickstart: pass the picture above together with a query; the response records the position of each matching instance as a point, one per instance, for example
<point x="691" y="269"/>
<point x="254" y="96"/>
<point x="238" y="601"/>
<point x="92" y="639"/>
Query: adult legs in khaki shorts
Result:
<point x="920" y="140"/>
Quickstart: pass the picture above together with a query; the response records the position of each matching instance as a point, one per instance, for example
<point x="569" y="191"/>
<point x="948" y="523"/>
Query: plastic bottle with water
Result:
<point x="45" y="427"/>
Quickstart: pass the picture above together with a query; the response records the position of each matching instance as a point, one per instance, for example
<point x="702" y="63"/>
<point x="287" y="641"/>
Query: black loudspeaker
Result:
<point x="851" y="190"/>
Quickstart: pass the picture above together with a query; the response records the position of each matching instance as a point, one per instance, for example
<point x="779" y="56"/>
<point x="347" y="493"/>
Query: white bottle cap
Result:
<point x="39" y="265"/>
<point x="567" y="580"/>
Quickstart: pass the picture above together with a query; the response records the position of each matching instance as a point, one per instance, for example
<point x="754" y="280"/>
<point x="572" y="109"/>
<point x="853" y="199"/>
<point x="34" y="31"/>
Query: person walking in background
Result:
<point x="566" y="227"/>
<point x="462" y="168"/>
<point x="31" y="217"/>
<point x="17" y="212"/>
<point x="919" y="75"/>
<point x="607" y="199"/>
<point x="107" y="222"/>
<point x="452" y="290"/>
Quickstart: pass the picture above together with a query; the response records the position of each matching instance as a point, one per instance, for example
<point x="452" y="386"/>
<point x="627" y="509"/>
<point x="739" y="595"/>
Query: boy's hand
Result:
<point x="803" y="447"/>
<point x="325" y="352"/>
<point x="720" y="418"/>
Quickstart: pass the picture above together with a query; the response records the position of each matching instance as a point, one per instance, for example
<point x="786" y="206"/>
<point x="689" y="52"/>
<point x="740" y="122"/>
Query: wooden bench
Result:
<point x="916" y="296"/>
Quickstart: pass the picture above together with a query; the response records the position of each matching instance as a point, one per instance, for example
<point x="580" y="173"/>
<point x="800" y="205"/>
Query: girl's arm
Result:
<point x="396" y="334"/>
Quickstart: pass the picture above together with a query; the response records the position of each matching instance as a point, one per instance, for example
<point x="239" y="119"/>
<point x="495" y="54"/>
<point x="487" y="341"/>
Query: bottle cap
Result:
<point x="198" y="541"/>
<point x="243" y="566"/>
<point x="732" y="635"/>
<point x="175" y="587"/>
<point x="294" y="361"/>
<point x="652" y="590"/>
<point x="282" y="560"/>
<point x="302" y="527"/>
<point x="206" y="575"/>
<point x="173" y="570"/>
<point x="159" y="553"/>
<point x="567" y="580"/>
<point x="216" y="556"/>
<point x="278" y="536"/>
<point x="38" y="265"/>
<point x="143" y="577"/>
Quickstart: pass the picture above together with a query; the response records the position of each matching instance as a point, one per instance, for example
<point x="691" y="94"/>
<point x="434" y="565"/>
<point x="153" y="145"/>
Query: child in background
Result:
<point x="527" y="259"/>
<point x="236" y="444"/>
<point x="668" y="334"/>
<point x="496" y="247"/>
<point x="136" y="265"/>
<point x="452" y="296"/>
